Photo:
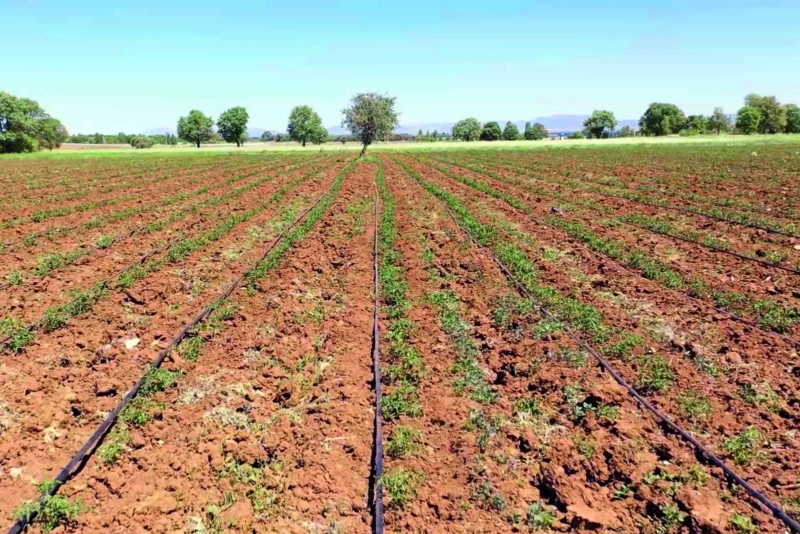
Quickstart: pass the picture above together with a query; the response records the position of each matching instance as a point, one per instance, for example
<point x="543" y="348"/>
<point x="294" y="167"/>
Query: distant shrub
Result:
<point x="142" y="142"/>
<point x="688" y="133"/>
<point x="577" y="135"/>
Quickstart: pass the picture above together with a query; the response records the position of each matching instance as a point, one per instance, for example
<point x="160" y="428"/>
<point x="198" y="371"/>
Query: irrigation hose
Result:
<point x="377" y="471"/>
<point x="84" y="453"/>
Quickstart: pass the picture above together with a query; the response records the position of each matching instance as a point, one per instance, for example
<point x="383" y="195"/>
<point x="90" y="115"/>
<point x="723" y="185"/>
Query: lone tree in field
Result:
<point x="195" y="128"/>
<point x="719" y="121"/>
<point x="511" y="132"/>
<point x="600" y="121"/>
<point x="662" y="119"/>
<point x="51" y="133"/>
<point x="267" y="136"/>
<point x="748" y="120"/>
<point x="306" y="125"/>
<point x="232" y="125"/>
<point x="537" y="132"/>
<point x="792" y="119"/>
<point x="697" y="122"/>
<point x="371" y="117"/>
<point x="491" y="132"/>
<point x="467" y="130"/>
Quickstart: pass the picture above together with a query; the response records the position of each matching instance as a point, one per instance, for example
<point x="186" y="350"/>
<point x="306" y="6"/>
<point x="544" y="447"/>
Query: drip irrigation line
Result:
<point x="377" y="459"/>
<point x="704" y="451"/>
<point x="77" y="462"/>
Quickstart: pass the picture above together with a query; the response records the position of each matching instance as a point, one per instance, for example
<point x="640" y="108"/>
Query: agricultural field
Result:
<point x="591" y="340"/>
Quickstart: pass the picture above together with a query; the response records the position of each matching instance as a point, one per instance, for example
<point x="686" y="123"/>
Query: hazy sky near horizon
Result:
<point x="129" y="66"/>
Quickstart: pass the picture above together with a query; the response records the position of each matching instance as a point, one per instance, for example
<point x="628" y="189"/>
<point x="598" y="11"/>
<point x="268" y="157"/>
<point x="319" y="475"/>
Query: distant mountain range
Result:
<point x="554" y="123"/>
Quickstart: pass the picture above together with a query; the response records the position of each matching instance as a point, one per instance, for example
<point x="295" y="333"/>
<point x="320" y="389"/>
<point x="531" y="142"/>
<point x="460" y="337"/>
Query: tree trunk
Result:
<point x="198" y="143"/>
<point x="363" y="152"/>
<point x="304" y="142"/>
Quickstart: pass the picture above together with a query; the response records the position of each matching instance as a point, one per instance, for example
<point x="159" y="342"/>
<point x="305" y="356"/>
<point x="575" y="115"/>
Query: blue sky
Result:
<point x="110" y="65"/>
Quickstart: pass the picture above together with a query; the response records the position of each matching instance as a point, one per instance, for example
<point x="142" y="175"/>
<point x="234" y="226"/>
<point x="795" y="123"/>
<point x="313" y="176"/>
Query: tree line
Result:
<point x="26" y="127"/>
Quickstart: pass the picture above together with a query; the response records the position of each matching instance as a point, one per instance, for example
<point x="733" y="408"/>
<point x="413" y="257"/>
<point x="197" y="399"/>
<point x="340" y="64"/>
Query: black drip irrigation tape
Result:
<point x="376" y="486"/>
<point x="78" y="461"/>
<point x="701" y="449"/>
<point x="731" y="253"/>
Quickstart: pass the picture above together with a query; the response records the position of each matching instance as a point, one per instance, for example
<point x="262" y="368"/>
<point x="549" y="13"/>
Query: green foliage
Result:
<point x="577" y="135"/>
<point x="511" y="132"/>
<point x="491" y="132"/>
<point x="19" y="335"/>
<point x="695" y="405"/>
<point x="402" y="486"/>
<point x="537" y="132"/>
<point x="232" y="125"/>
<point x="697" y="123"/>
<point x="772" y="115"/>
<point x="743" y="524"/>
<point x="719" y="121"/>
<point x="195" y="128"/>
<point x="662" y="119"/>
<point x="656" y="374"/>
<point x="20" y="120"/>
<point x="599" y="123"/>
<point x="748" y="120"/>
<point x="105" y="241"/>
<point x="53" y="511"/>
<point x="404" y="400"/>
<point x="467" y="130"/>
<point x="540" y="517"/>
<point x="266" y="136"/>
<point x="792" y="118"/>
<point x="744" y="447"/>
<point x="627" y="131"/>
<point x="405" y="442"/>
<point x="306" y="125"/>
<point x="142" y="142"/>
<point x="51" y="133"/>
<point x="370" y="117"/>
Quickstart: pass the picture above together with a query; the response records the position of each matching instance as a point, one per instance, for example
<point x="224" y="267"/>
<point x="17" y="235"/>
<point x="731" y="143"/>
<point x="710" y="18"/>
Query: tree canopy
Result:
<point x="491" y="132"/>
<point x="511" y="132"/>
<point x="719" y="121"/>
<point x="748" y="120"/>
<point x="232" y="125"/>
<point x="306" y="125"/>
<point x="467" y="130"/>
<point x="698" y="123"/>
<point x="773" y="114"/>
<point x="599" y="123"/>
<point x="662" y="119"/>
<point x="195" y="128"/>
<point x="626" y="131"/>
<point x="792" y="118"/>
<point x="51" y="133"/>
<point x="25" y="127"/>
<point x="267" y="136"/>
<point x="537" y="132"/>
<point x="370" y="117"/>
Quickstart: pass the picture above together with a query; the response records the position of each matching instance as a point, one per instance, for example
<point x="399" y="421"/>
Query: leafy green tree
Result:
<point x="267" y="136"/>
<point x="626" y="131"/>
<point x="699" y="123"/>
<point x="662" y="119"/>
<point x="370" y="117"/>
<point x="435" y="134"/>
<point x="577" y="135"/>
<point x="537" y="132"/>
<point x="748" y="120"/>
<point x="599" y="123"/>
<point x="792" y="118"/>
<point x="511" y="132"/>
<point x="773" y="114"/>
<point x="467" y="130"/>
<point x="304" y="125"/>
<point x="232" y="125"/>
<point x="491" y="132"/>
<point x="195" y="128"/>
<point x="420" y="134"/>
<point x="51" y="133"/>
<point x="719" y="121"/>
<point x="319" y="136"/>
